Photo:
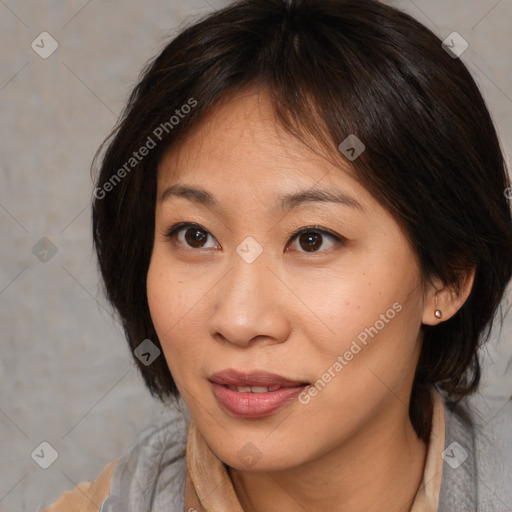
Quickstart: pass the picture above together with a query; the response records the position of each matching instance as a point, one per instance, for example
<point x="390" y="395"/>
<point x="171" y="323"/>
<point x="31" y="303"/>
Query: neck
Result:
<point x="378" y="469"/>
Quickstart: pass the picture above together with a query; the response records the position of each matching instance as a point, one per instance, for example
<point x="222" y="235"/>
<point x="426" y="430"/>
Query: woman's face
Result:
<point x="330" y="317"/>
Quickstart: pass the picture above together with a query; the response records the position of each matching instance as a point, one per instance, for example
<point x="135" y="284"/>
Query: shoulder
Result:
<point x="151" y="474"/>
<point x="477" y="469"/>
<point x="149" y="477"/>
<point x="86" y="497"/>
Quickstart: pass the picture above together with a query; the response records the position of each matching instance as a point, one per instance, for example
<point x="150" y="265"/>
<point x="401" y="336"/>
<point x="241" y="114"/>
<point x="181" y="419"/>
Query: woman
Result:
<point x="302" y="222"/>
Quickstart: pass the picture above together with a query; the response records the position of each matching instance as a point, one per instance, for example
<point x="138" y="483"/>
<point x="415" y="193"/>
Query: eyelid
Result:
<point x="180" y="225"/>
<point x="316" y="229"/>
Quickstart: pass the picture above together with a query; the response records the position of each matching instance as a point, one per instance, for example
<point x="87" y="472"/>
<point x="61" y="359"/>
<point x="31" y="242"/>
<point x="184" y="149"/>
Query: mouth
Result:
<point x="253" y="394"/>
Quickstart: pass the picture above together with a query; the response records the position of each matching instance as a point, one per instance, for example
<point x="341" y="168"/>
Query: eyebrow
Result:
<point x="287" y="201"/>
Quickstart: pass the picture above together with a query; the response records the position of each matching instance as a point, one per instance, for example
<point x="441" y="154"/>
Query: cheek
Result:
<point x="346" y="305"/>
<point x="367" y="365"/>
<point x="175" y="302"/>
<point x="370" y="316"/>
<point x="169" y="299"/>
<point x="161" y="301"/>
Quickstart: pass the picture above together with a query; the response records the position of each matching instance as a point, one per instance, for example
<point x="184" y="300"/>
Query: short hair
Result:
<point x="332" y="69"/>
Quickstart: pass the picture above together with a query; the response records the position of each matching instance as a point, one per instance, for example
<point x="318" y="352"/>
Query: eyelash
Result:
<point x="337" y="239"/>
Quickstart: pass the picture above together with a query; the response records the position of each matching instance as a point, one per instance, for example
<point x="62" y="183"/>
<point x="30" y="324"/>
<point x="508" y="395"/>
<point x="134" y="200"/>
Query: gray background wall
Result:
<point x="66" y="375"/>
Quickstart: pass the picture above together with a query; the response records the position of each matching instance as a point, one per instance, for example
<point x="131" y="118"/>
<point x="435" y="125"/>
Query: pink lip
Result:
<point x="253" y="405"/>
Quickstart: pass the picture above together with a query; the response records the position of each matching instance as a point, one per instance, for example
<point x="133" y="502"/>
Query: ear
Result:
<point x="445" y="299"/>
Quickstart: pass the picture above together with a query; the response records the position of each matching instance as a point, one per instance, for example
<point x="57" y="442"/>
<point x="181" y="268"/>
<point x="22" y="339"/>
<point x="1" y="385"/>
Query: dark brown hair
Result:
<point x="332" y="69"/>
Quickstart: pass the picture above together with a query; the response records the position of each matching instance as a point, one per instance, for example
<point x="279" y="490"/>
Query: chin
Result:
<point x="263" y="465"/>
<point x="255" y="454"/>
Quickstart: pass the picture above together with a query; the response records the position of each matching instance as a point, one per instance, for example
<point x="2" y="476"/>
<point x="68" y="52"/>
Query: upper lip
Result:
<point x="230" y="377"/>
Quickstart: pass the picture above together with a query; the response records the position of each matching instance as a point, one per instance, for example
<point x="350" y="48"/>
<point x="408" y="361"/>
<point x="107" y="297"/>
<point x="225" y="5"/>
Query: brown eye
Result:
<point x="195" y="237"/>
<point x="312" y="239"/>
<point x="191" y="235"/>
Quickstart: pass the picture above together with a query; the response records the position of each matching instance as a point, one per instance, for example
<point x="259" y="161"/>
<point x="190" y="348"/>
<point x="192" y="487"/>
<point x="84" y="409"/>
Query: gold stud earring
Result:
<point x="438" y="313"/>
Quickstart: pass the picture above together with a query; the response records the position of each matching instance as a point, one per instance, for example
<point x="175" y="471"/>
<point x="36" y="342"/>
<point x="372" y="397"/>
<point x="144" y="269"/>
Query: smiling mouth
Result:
<point x="254" y="394"/>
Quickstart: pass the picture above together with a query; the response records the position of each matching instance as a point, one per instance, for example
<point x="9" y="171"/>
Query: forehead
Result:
<point x="238" y="128"/>
<point x="241" y="147"/>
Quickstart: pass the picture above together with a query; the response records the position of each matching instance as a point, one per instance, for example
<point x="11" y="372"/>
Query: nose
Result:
<point x="248" y="305"/>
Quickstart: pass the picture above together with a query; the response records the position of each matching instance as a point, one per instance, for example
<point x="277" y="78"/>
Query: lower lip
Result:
<point x="254" y="405"/>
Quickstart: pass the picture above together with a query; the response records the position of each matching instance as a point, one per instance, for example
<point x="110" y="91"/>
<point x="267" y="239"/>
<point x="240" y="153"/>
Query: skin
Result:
<point x="291" y="312"/>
